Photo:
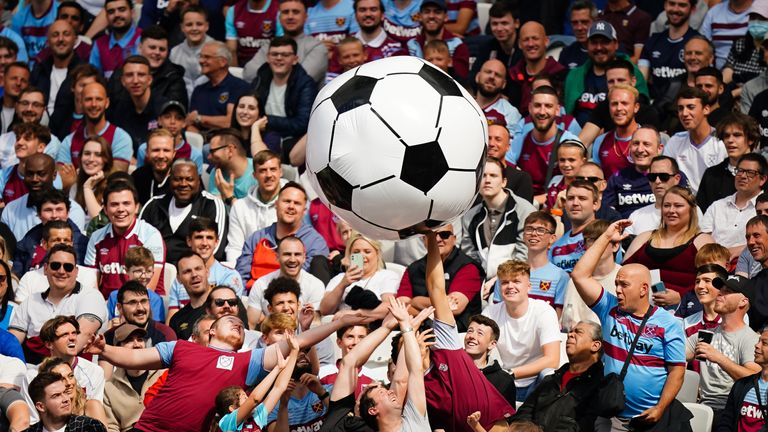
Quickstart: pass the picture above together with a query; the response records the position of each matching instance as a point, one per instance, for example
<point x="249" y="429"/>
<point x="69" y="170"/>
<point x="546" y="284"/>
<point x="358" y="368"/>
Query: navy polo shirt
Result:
<point x="211" y="100"/>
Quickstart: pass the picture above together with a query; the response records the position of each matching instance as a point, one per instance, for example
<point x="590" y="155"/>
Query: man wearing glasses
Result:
<point x="463" y="280"/>
<point x="223" y="301"/>
<point x="64" y="296"/>
<point x="726" y="219"/>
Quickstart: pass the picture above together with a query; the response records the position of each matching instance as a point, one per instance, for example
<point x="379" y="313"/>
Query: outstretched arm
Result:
<point x="413" y="358"/>
<point x="137" y="359"/>
<point x="588" y="287"/>
<point x="436" y="282"/>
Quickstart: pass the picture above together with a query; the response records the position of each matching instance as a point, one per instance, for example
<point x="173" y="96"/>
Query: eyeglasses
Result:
<point x="445" y="235"/>
<point x="664" y="177"/>
<point x="229" y="301"/>
<point x="142" y="273"/>
<point x="134" y="303"/>
<point x="748" y="173"/>
<point x="28" y="103"/>
<point x="55" y="266"/>
<point x="537" y="230"/>
<point x="214" y="150"/>
<point x="591" y="179"/>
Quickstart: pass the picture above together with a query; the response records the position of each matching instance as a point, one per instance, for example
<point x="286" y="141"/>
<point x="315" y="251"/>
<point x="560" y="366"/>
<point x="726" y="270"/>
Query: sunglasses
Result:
<point x="55" y="266"/>
<point x="591" y="179"/>
<point x="445" y="235"/>
<point x="229" y="301"/>
<point x="663" y="176"/>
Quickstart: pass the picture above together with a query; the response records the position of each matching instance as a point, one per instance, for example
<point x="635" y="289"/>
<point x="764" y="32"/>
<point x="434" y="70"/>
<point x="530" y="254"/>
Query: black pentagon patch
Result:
<point x="353" y="93"/>
<point x="336" y="188"/>
<point x="432" y="224"/>
<point x="441" y="82"/>
<point x="423" y="166"/>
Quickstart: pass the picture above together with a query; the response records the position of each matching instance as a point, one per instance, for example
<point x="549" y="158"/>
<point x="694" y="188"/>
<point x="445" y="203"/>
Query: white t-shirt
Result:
<point x="7" y="118"/>
<point x="312" y="290"/>
<point x="57" y="77"/>
<point x="276" y="100"/>
<point x="692" y="159"/>
<point x="382" y="282"/>
<point x="177" y="215"/>
<point x="521" y="338"/>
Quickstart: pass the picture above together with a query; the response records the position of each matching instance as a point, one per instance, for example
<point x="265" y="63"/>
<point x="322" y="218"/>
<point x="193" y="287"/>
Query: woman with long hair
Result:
<point x="7" y="297"/>
<point x="248" y="119"/>
<point x="96" y="164"/>
<point x="672" y="247"/>
<point x="72" y="389"/>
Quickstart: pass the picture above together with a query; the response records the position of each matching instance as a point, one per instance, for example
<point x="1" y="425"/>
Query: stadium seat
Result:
<point x="397" y="268"/>
<point x="563" y="354"/>
<point x="482" y="15"/>
<point x="194" y="139"/>
<point x="690" y="391"/>
<point x="169" y="274"/>
<point x="237" y="72"/>
<point x="702" y="416"/>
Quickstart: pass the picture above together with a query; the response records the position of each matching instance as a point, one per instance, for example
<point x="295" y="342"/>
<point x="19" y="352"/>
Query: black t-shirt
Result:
<point x="573" y="56"/>
<point x="759" y="112"/>
<point x="138" y="381"/>
<point x="183" y="321"/>
<point x="341" y="418"/>
<point x="146" y="184"/>
<point x="122" y="113"/>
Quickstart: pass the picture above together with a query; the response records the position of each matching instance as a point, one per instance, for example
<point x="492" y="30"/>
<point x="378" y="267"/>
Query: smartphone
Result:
<point x="658" y="287"/>
<point x="706" y="336"/>
<point x="356" y="259"/>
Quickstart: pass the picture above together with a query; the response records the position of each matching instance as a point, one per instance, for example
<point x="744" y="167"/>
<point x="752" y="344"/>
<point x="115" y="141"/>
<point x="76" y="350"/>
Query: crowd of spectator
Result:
<point x="165" y="265"/>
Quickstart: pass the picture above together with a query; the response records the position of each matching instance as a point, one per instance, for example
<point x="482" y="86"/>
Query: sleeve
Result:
<point x="122" y="146"/>
<point x="64" y="155"/>
<point x="256" y="295"/>
<point x="316" y="247"/>
<point x="315" y="293"/>
<point x="446" y="336"/>
<point x="228" y="423"/>
<point x="244" y="261"/>
<point x="233" y="280"/>
<point x="197" y="155"/>
<point x="17" y="20"/>
<point x="95" y="58"/>
<point x="230" y="31"/>
<point x="609" y="194"/>
<point x="113" y="425"/>
<point x="405" y="289"/>
<point x="561" y="288"/>
<point x="690" y="342"/>
<point x="674" y="343"/>
<point x="236" y="234"/>
<point x="112" y="305"/>
<point x="603" y="305"/>
<point x="22" y="55"/>
<point x="212" y="189"/>
<point x="91" y="302"/>
<point x="148" y="14"/>
<point x="154" y="242"/>
<point x="256" y="370"/>
<point x="467" y="281"/>
<point x="707" y="222"/>
<point x="157" y="305"/>
<point x="461" y="61"/>
<point x="173" y="295"/>
<point x="645" y="57"/>
<point x="315" y="62"/>
<point x="96" y="378"/>
<point x="747" y="347"/>
<point x="549" y="326"/>
<point x="20" y="317"/>
<point x="165" y="349"/>
<point x="596" y="149"/>
<point x="743" y="265"/>
<point x="706" y="26"/>
<point x="515" y="148"/>
<point x="252" y="66"/>
<point x="389" y="282"/>
<point x="11" y="347"/>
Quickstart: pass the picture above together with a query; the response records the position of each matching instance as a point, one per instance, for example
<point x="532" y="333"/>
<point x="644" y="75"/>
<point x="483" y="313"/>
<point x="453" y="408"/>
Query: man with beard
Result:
<point x="133" y="306"/>
<point x="661" y="60"/>
<point x="531" y="151"/>
<point x="71" y="12"/>
<point x="136" y="108"/>
<point x="730" y="353"/>
<point x="582" y="200"/>
<point x="490" y="82"/>
<point x="203" y="239"/>
<point x="629" y="189"/>
<point x="518" y="181"/>
<point x="95" y="104"/>
<point x="586" y="86"/>
<point x="194" y="366"/>
<point x="15" y="80"/>
<point x="109" y="50"/>
<point x="21" y="215"/>
<point x="710" y="80"/>
<point x="697" y="148"/>
<point x="313" y="55"/>
<point x="151" y="179"/>
<point x="306" y="401"/>
<point x="433" y="17"/>
<point x="172" y="117"/>
<point x="51" y="72"/>
<point x="369" y="15"/>
<point x="611" y="149"/>
<point x="173" y="213"/>
<point x="533" y="43"/>
<point x="223" y="301"/>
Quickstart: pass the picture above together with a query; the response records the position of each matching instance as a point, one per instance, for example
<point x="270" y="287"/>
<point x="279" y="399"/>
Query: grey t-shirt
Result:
<point x="412" y="420"/>
<point x="8" y="397"/>
<point x="275" y="105"/>
<point x="739" y="346"/>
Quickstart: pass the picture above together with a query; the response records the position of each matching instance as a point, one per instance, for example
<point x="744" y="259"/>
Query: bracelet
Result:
<point x="406" y="330"/>
<point x="325" y="395"/>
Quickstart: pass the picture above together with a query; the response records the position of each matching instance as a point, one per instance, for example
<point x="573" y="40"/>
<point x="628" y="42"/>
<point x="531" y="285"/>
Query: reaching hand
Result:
<point x="281" y="361"/>
<point x="226" y="187"/>
<point x="399" y="310"/>
<point x="293" y="343"/>
<point x="96" y="345"/>
<point x="313" y="383"/>
<point x="615" y="231"/>
<point x="473" y="419"/>
<point x="424" y="314"/>
<point x="306" y="316"/>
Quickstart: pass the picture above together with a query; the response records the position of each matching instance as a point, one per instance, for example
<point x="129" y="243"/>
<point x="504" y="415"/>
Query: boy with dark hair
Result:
<point x="54" y="406"/>
<point x="479" y="340"/>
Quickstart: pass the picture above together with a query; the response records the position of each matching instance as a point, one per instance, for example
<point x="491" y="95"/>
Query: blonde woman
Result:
<point x="368" y="286"/>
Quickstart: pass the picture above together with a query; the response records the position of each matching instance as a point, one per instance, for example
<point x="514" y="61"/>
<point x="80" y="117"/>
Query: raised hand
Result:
<point x="615" y="231"/>
<point x="424" y="314"/>
<point x="96" y="345"/>
<point x="306" y="316"/>
<point x="282" y="362"/>
<point x="473" y="419"/>
<point x="313" y="383"/>
<point x="399" y="310"/>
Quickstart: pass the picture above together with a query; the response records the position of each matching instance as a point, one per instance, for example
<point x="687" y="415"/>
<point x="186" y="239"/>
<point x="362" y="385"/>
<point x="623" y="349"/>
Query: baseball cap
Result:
<point x="604" y="29"/>
<point x="759" y="7"/>
<point x="172" y="104"/>
<point x="125" y="331"/>
<point x="737" y="284"/>
<point x="438" y="3"/>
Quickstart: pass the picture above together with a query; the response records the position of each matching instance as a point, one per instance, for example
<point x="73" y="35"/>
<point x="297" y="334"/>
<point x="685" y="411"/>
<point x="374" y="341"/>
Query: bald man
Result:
<point x="518" y="181"/>
<point x="533" y="43"/>
<point x="652" y="383"/>
<point x="490" y="82"/>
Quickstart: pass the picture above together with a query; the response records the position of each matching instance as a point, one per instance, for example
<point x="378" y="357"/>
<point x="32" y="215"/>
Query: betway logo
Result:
<point x="636" y="199"/>
<point x="592" y="98"/>
<point x="667" y="72"/>
<point x="627" y="338"/>
<point x="252" y="42"/>
<point x="751" y="411"/>
<point x="112" y="268"/>
<point x="400" y="31"/>
<point x="314" y="427"/>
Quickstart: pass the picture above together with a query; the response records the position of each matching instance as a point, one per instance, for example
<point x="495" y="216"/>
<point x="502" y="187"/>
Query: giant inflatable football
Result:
<point x="396" y="146"/>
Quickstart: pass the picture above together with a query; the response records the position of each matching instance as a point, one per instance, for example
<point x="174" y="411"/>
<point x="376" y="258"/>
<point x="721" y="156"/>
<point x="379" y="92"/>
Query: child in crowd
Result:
<point x="140" y="266"/>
